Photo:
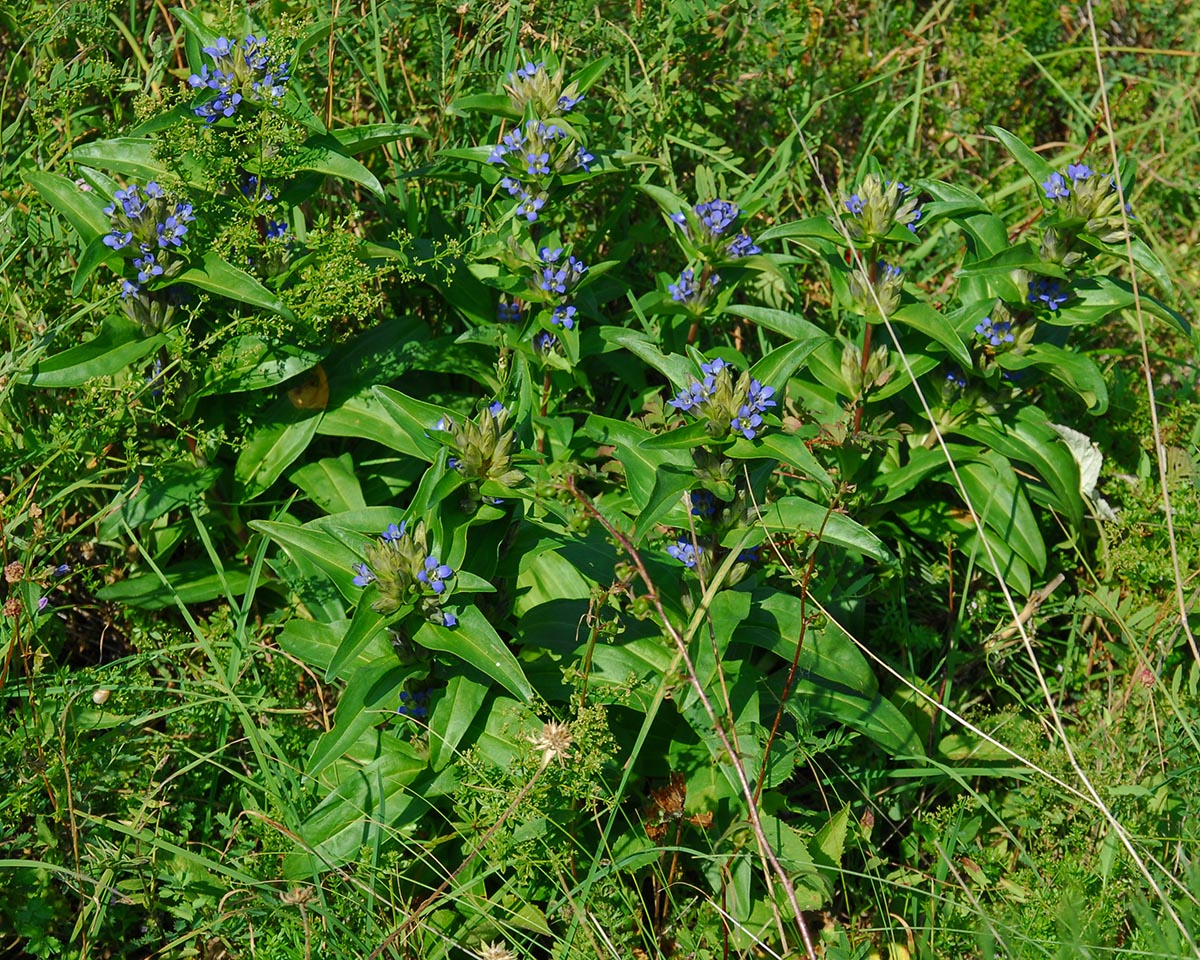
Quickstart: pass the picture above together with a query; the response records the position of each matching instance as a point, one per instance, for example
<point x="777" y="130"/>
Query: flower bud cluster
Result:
<point x="709" y="224"/>
<point x="1084" y="195"/>
<point x="532" y="84"/>
<point x="728" y="406"/>
<point x="694" y="293"/>
<point x="877" y="206"/>
<point x="484" y="447"/>
<point x="886" y="280"/>
<point x="242" y="73"/>
<point x="404" y="571"/>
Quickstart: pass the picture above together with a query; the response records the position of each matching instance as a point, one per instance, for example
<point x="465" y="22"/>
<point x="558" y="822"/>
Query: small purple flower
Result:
<point x="717" y="215"/>
<point x="759" y="396"/>
<point x="276" y="229"/>
<point x="364" y="576"/>
<point x="995" y="333"/>
<point x="118" y="239"/>
<point x="584" y="160"/>
<point x="742" y="245"/>
<point x="544" y="342"/>
<point x="414" y="705"/>
<point x="147" y="267"/>
<point x="855" y="204"/>
<point x="1047" y="291"/>
<point x="129" y="289"/>
<point x="537" y="163"/>
<point x="530" y="205"/>
<point x="508" y="312"/>
<point x="746" y="422"/>
<point x="435" y="574"/>
<point x="42" y="603"/>
<point x="449" y="620"/>
<point x="566" y="104"/>
<point x="564" y="316"/>
<point x="62" y="569"/>
<point x="394" y="532"/>
<point x="171" y="232"/>
<point x="955" y="378"/>
<point x="495" y="408"/>
<point x="1079" y="171"/>
<point x="1056" y="187"/>
<point x="684" y="551"/>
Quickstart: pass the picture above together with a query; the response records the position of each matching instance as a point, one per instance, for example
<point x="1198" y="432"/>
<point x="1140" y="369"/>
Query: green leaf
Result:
<point x="452" y="718"/>
<point x="95" y="255"/>
<point x="336" y="560"/>
<point x="497" y="104"/>
<point x="777" y="366"/>
<point x="995" y="494"/>
<point x="679" y="370"/>
<point x="371" y="695"/>
<point x="272" y="449"/>
<point x="1020" y="256"/>
<point x="789" y="324"/>
<point x="363" y="416"/>
<point x="873" y="716"/>
<point x="411" y="421"/>
<point x="354" y="815"/>
<point x="132" y="156"/>
<point x="118" y="343"/>
<point x="476" y="641"/>
<point x="814" y="228"/>
<point x="786" y="447"/>
<point x="365" y="627"/>
<point x="148" y="498"/>
<point x="354" y="140"/>
<point x="331" y="484"/>
<point x="193" y="582"/>
<point x="1038" y="169"/>
<point x="922" y="317"/>
<point x="796" y="515"/>
<point x="220" y="277"/>
<point x="254" y="362"/>
<point x="635" y="451"/>
<point x="82" y="208"/>
<point x="989" y="232"/>
<point x="324" y="154"/>
<point x="1078" y="372"/>
<point x="314" y="643"/>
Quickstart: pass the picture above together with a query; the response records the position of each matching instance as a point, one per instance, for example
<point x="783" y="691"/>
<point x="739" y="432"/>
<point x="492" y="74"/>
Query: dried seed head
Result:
<point x="554" y="741"/>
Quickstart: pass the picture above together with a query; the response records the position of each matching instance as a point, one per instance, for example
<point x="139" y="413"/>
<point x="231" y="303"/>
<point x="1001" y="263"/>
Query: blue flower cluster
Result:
<point x="1056" y="187"/>
<point x="879" y="205"/>
<point x="241" y="73"/>
<point x="694" y="293"/>
<point x="556" y="279"/>
<point x="149" y="223"/>
<point x="415" y="705"/>
<point x="405" y="571"/>
<point x="713" y="218"/>
<point x="532" y="83"/>
<point x="996" y="333"/>
<point x="1047" y="291"/>
<point x="728" y="406"/>
<point x="531" y="154"/>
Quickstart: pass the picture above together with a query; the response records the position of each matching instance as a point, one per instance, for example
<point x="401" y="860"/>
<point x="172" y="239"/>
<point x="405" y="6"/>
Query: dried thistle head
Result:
<point x="554" y="741"/>
<point x="495" y="951"/>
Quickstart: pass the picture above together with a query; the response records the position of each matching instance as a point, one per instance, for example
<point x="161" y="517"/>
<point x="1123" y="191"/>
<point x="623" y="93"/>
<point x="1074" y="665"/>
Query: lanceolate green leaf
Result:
<point x="370" y="696"/>
<point x="1078" y="372"/>
<point x="358" y="139"/>
<point x="83" y="209"/>
<point x="324" y="154"/>
<point x="118" y="343"/>
<point x="795" y="516"/>
<point x="132" y="156"/>
<point x="271" y="450"/>
<point x="1038" y="169"/>
<point x="476" y="641"/>
<point x="330" y="555"/>
<point x="921" y="316"/>
<point x="216" y="275"/>
<point x="995" y="495"/>
<point x="789" y="324"/>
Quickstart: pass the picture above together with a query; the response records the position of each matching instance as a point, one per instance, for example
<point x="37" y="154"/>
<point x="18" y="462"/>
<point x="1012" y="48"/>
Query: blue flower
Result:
<point x="508" y="312"/>
<point x="584" y="160"/>
<point x="855" y="204"/>
<point x="544" y="342"/>
<point x="147" y="267"/>
<point x="1056" y="187"/>
<point x="715" y="366"/>
<point x="414" y="704"/>
<point x="955" y="378"/>
<point x="563" y="316"/>
<point x="995" y="333"/>
<point x="449" y="620"/>
<point x="129" y="289"/>
<point x="759" y="396"/>
<point x="717" y="215"/>
<point x="689" y="292"/>
<point x="393" y="532"/>
<point x="1079" y="171"/>
<point x="566" y="104"/>
<point x="495" y="408"/>
<point x="364" y="576"/>
<point x="537" y="163"/>
<point x="118" y="239"/>
<point x="171" y="232"/>
<point x="742" y="245"/>
<point x="276" y="229"/>
<point x="530" y="205"/>
<point x="746" y="422"/>
<point x="62" y="569"/>
<point x="684" y="551"/>
<point x="1047" y="291"/>
<point x="435" y="574"/>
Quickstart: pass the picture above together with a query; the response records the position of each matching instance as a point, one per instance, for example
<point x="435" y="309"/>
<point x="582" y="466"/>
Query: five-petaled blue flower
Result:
<point x="1056" y="187"/>
<point x="995" y="333"/>
<point x="684" y="551"/>
<point x="1047" y="291"/>
<point x="364" y="576"/>
<point x="435" y="574"/>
